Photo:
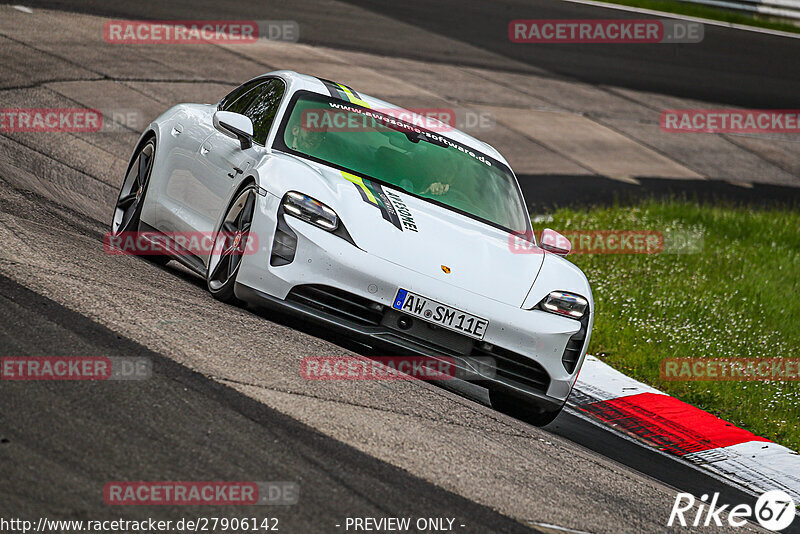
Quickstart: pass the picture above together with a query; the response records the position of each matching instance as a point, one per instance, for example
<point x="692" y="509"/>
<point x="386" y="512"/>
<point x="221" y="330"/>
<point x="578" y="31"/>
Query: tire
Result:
<point x="231" y="241"/>
<point x="128" y="209"/>
<point x="521" y="409"/>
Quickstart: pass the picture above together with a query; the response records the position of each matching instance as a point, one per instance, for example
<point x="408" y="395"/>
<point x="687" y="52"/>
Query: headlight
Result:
<point x="563" y="303"/>
<point x="312" y="211"/>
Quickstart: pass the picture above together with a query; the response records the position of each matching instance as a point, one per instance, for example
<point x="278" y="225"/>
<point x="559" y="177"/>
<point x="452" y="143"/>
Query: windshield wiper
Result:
<point x="415" y="137"/>
<point x="412" y="136"/>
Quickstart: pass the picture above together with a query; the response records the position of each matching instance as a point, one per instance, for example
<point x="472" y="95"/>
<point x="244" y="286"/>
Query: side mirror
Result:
<point x="554" y="242"/>
<point x="235" y="126"/>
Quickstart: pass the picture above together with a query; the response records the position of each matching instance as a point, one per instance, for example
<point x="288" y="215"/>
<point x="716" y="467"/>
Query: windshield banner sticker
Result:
<point x="412" y="130"/>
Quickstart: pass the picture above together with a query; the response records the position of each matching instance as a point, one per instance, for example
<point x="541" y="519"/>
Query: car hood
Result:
<point x="436" y="242"/>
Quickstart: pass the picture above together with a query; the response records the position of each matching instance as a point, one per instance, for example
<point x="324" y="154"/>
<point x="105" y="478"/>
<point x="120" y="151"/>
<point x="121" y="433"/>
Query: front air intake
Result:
<point x="572" y="353"/>
<point x="284" y="245"/>
<point x="337" y="302"/>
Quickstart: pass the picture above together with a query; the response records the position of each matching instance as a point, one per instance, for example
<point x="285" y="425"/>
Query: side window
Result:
<point x="238" y="99"/>
<point x="263" y="107"/>
<point x="258" y="100"/>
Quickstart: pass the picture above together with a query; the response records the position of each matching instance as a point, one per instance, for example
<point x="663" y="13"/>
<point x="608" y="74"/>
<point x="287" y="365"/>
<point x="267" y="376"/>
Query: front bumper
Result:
<point x="527" y="345"/>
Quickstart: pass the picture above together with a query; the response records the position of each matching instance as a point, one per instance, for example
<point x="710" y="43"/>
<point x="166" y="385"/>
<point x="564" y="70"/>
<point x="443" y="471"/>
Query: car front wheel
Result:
<point x="230" y="243"/>
<point x="128" y="209"/>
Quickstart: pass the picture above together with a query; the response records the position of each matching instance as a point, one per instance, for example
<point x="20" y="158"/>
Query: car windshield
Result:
<point x="421" y="162"/>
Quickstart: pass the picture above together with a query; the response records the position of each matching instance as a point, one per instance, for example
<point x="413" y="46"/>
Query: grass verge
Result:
<point x="738" y="297"/>
<point x="712" y="13"/>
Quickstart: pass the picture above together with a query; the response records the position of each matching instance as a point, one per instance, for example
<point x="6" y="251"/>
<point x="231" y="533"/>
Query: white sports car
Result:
<point x="398" y="234"/>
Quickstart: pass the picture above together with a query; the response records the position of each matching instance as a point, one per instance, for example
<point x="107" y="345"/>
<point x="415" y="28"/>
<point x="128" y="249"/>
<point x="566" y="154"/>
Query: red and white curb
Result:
<point x="678" y="428"/>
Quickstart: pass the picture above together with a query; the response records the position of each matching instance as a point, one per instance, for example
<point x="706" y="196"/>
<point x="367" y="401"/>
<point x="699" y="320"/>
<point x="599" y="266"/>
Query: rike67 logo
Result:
<point x="774" y="510"/>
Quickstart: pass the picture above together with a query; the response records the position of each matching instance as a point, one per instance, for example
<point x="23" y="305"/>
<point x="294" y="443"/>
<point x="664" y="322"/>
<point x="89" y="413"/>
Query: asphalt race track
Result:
<point x="739" y="68"/>
<point x="185" y="425"/>
<point x="728" y="68"/>
<point x="226" y="401"/>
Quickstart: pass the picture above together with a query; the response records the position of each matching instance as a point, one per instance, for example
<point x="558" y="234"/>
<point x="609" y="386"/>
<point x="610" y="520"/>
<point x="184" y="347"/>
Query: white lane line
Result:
<point x="708" y="22"/>
<point x="560" y="529"/>
<point x="23" y="9"/>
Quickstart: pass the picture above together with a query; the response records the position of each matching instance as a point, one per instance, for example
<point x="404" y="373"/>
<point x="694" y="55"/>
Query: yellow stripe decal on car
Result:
<point x="372" y="193"/>
<point x="366" y="194"/>
<point x="352" y="96"/>
<point x="343" y="92"/>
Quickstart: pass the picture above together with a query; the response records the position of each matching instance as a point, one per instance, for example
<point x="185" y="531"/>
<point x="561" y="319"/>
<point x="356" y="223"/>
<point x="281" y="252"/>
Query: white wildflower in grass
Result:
<point x="730" y="299"/>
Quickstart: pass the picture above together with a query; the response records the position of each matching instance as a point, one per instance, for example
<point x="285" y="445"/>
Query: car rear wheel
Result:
<point x="521" y="409"/>
<point x="230" y="244"/>
<point x="128" y="209"/>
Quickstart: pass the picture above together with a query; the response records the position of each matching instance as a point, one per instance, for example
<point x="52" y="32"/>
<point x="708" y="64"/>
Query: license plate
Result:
<point x="440" y="314"/>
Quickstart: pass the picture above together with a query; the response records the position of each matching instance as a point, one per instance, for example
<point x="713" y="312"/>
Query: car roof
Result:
<point x="297" y="82"/>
